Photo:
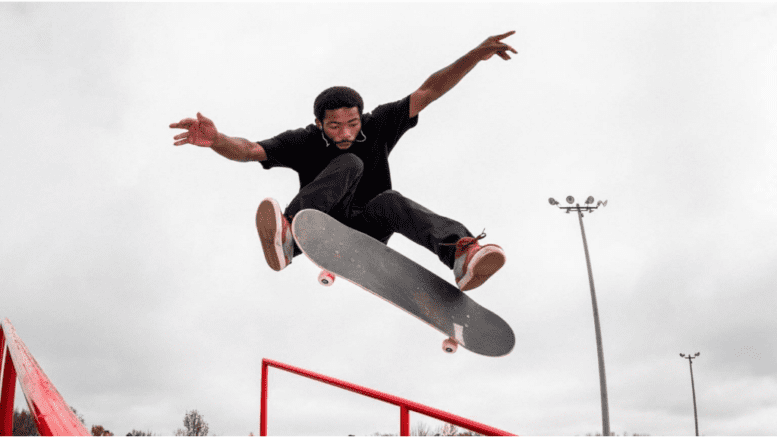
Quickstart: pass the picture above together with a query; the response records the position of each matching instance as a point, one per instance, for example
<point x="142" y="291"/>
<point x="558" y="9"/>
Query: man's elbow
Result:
<point x="421" y="99"/>
<point x="257" y="153"/>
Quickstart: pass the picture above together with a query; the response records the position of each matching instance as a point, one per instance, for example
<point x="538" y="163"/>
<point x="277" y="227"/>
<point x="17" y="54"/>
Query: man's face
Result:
<point x="341" y="126"/>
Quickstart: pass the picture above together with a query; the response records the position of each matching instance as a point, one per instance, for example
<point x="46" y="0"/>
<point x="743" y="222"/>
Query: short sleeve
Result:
<point x="394" y="120"/>
<point x="283" y="149"/>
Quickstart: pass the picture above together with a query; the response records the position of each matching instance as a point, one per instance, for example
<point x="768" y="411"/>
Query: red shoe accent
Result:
<point x="475" y="263"/>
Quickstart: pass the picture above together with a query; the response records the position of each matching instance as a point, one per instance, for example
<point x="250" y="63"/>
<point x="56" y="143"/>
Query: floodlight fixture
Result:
<point x="588" y="207"/>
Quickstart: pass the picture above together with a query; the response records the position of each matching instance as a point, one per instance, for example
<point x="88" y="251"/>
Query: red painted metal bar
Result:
<point x="404" y="421"/>
<point x="404" y="404"/>
<point x="263" y="414"/>
<point x="51" y="413"/>
<point x="8" y="390"/>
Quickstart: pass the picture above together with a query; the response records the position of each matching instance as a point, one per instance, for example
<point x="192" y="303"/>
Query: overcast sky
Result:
<point x="132" y="269"/>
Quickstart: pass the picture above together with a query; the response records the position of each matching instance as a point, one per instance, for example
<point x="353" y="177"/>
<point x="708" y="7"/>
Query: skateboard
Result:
<point x="341" y="251"/>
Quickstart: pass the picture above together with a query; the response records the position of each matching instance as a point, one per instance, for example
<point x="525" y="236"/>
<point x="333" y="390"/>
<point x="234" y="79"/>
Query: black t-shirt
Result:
<point x="305" y="151"/>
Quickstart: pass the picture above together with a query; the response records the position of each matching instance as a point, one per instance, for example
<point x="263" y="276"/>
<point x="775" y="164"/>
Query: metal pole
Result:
<point x="7" y="392"/>
<point x="263" y="404"/>
<point x="599" y="349"/>
<point x="693" y="390"/>
<point x="404" y="421"/>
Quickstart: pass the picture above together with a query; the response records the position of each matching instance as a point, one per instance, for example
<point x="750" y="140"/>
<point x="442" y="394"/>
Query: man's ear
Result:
<point x="318" y="124"/>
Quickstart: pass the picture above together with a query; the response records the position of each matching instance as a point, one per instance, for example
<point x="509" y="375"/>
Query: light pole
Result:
<point x="693" y="389"/>
<point x="602" y="378"/>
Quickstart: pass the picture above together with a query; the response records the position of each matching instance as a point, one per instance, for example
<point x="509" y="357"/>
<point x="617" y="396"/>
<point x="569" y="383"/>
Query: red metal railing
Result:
<point x="52" y="415"/>
<point x="404" y="405"/>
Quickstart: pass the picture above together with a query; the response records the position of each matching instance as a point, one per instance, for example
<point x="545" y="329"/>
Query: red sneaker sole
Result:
<point x="483" y="268"/>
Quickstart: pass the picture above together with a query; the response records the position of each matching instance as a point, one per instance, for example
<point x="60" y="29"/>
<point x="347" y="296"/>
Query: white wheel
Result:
<point x="326" y="279"/>
<point x="450" y="345"/>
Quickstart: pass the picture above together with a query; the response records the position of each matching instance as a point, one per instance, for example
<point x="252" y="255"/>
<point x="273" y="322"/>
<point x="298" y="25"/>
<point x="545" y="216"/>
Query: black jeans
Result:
<point x="333" y="190"/>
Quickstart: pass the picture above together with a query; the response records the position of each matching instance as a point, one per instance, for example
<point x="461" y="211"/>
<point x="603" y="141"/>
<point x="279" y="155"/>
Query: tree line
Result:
<point x="194" y="424"/>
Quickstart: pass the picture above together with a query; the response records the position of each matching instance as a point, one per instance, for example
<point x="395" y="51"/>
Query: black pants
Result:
<point x="333" y="190"/>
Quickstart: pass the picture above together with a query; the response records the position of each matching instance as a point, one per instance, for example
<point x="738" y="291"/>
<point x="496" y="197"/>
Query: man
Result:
<point x="342" y="162"/>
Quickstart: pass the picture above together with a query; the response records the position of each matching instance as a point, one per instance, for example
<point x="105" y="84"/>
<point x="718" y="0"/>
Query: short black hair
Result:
<point x="337" y="97"/>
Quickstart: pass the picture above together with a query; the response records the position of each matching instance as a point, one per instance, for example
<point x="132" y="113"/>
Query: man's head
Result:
<point x="338" y="112"/>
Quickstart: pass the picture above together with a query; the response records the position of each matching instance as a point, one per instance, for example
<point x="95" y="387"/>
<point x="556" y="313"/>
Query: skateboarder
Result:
<point x="342" y="163"/>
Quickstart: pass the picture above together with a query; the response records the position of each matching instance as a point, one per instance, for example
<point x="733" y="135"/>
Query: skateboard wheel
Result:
<point x="449" y="345"/>
<point x="326" y="279"/>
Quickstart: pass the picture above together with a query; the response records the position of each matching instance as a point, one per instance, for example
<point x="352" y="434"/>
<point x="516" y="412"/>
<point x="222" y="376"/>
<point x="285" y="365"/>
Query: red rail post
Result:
<point x="404" y="421"/>
<point x="8" y="389"/>
<point x="263" y="406"/>
<point x="391" y="399"/>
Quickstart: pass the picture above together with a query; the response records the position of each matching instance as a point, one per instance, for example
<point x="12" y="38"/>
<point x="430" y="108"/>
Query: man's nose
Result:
<point x="347" y="133"/>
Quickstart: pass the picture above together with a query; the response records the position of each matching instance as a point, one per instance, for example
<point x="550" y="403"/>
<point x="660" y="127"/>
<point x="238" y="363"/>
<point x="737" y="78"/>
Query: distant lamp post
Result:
<point x="602" y="378"/>
<point x="693" y="389"/>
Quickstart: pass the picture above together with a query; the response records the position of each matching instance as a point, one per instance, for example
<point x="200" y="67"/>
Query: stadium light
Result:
<point x="599" y="349"/>
<point x="693" y="388"/>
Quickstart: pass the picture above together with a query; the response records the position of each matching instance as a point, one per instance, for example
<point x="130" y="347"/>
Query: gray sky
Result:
<point x="132" y="270"/>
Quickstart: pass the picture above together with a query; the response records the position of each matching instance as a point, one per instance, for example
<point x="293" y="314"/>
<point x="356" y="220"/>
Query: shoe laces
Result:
<point x="472" y="241"/>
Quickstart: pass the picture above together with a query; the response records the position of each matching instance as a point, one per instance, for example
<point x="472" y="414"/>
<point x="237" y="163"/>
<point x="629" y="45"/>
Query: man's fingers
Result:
<point x="182" y="139"/>
<point x="201" y="117"/>
<point x="181" y="142"/>
<point x="183" y="124"/>
<point x="501" y="50"/>
<point x="505" y="47"/>
<point x="502" y="36"/>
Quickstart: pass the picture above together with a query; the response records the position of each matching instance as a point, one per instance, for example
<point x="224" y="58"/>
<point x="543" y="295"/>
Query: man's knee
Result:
<point x="349" y="161"/>
<point x="387" y="200"/>
<point x="389" y="196"/>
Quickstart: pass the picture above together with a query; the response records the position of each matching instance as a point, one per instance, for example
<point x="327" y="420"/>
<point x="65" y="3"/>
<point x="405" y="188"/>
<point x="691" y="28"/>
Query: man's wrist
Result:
<point x="220" y="141"/>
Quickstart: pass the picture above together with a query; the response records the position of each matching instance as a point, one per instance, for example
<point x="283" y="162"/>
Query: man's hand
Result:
<point x="494" y="45"/>
<point x="441" y="82"/>
<point x="201" y="131"/>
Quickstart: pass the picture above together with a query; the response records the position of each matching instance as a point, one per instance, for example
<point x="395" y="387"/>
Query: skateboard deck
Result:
<point x="342" y="251"/>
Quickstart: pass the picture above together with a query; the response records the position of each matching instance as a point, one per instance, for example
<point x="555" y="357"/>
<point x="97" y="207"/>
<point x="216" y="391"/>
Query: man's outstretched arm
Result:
<point x="202" y="132"/>
<point x="441" y="82"/>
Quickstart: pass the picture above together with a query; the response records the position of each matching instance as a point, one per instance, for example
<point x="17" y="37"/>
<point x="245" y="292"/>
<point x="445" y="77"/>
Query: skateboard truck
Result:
<point x="326" y="278"/>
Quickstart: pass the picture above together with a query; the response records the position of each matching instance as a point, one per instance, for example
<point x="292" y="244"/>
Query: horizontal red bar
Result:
<point x="391" y="399"/>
